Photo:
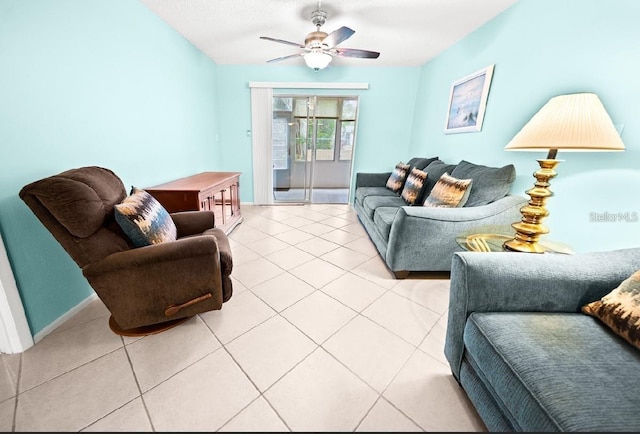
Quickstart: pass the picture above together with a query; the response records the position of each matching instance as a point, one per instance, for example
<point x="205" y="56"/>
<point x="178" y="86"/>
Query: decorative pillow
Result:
<point x="620" y="309"/>
<point x="398" y="177"/>
<point x="489" y="183"/>
<point x="449" y="192"/>
<point x="414" y="186"/>
<point x="144" y="220"/>
<point x="435" y="169"/>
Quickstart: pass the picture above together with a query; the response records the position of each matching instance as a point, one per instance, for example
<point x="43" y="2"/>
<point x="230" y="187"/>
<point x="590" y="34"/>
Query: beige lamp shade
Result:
<point x="575" y="122"/>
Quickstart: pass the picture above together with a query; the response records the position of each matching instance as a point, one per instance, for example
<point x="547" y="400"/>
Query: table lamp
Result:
<point x="575" y="122"/>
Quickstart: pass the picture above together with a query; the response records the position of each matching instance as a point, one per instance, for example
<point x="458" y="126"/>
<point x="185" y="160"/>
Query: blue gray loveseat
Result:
<point x="527" y="357"/>
<point x="414" y="238"/>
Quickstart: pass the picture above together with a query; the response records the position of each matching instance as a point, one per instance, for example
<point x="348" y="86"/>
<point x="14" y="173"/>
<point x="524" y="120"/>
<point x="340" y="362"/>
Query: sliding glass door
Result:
<point x="292" y="154"/>
<point x="313" y="139"/>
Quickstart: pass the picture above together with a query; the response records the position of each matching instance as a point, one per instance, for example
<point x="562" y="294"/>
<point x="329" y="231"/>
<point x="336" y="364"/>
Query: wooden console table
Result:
<point x="207" y="191"/>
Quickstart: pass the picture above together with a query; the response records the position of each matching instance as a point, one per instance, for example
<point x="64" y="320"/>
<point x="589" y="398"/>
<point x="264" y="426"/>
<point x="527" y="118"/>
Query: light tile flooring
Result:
<point x="318" y="336"/>
<point x="318" y="195"/>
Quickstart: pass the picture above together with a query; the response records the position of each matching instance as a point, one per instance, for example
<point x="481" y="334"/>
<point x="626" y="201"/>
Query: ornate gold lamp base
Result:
<point x="529" y="230"/>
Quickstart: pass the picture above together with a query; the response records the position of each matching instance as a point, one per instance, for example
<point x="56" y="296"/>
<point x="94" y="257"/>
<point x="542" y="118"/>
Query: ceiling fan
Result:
<point x="320" y="47"/>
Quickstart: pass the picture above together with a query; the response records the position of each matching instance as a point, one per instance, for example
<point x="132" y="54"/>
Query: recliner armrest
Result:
<point x="158" y="256"/>
<point x="138" y="286"/>
<point x="192" y="222"/>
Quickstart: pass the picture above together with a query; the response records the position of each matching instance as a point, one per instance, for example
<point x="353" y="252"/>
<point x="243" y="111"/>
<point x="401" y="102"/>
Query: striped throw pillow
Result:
<point x="413" y="188"/>
<point x="398" y="177"/>
<point x="620" y="309"/>
<point x="449" y="192"/>
<point x="144" y="220"/>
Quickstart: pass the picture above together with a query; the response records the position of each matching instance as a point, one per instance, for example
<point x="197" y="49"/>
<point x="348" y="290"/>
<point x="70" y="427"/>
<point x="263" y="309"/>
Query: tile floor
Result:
<point x="318" y="336"/>
<point x="318" y="195"/>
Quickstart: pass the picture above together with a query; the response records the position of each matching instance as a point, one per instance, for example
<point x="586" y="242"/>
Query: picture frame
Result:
<point x="468" y="101"/>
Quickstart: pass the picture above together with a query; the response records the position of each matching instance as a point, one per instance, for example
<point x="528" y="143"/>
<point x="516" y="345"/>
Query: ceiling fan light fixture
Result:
<point x="317" y="59"/>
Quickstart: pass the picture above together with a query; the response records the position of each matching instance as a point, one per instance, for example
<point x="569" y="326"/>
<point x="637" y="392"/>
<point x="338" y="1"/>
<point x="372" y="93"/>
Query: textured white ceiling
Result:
<point x="405" y="32"/>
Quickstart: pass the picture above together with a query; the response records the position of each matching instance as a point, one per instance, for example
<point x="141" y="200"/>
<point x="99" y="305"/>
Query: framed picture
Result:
<point x="467" y="102"/>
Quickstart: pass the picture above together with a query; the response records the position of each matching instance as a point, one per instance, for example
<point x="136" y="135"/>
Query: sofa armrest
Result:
<point x="467" y="213"/>
<point x="426" y="237"/>
<point x="372" y="179"/>
<point x="192" y="222"/>
<point x="528" y="282"/>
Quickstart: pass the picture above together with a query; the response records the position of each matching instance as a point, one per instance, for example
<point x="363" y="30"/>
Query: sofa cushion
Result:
<point x="620" y="309"/>
<point x="434" y="170"/>
<point x="420" y="162"/>
<point x="489" y="183"/>
<point x="362" y="192"/>
<point x="383" y="219"/>
<point x="398" y="177"/>
<point x="371" y="203"/>
<point x="449" y="192"/>
<point x="550" y="371"/>
<point x="414" y="186"/>
<point x="144" y="220"/>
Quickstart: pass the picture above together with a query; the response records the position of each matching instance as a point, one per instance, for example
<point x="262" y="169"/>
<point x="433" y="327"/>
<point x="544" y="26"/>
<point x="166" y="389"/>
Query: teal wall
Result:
<point x="108" y="83"/>
<point x="544" y="48"/>
<point x="385" y="112"/>
<point x="92" y="83"/>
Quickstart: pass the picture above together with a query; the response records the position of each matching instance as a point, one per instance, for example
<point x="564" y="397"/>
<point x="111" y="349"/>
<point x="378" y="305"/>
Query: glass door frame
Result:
<point x="310" y="124"/>
<point x="294" y="133"/>
<point x="310" y="145"/>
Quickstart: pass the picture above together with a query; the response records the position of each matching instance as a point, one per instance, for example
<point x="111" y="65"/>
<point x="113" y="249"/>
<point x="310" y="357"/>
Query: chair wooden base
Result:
<point x="144" y="330"/>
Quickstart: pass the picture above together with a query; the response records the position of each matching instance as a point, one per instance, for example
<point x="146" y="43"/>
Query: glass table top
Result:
<point x="491" y="239"/>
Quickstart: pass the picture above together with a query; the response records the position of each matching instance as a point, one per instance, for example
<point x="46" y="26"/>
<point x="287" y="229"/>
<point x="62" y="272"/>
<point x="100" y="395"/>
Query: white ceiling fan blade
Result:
<point x="338" y="36"/>
<point x="282" y="41"/>
<point x="278" y="59"/>
<point x="352" y="52"/>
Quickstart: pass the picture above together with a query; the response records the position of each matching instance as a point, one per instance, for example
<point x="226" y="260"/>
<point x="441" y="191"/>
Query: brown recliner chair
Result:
<point x="147" y="289"/>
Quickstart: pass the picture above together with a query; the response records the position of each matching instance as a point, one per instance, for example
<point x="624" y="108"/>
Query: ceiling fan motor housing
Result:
<point x="314" y="39"/>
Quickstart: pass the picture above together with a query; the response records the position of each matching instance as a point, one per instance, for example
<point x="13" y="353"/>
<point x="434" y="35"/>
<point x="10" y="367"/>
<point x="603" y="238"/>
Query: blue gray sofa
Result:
<point x="416" y="238"/>
<point x="527" y="357"/>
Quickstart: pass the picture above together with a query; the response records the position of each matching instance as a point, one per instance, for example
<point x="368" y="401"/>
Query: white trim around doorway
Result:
<point x="15" y="336"/>
<point x="308" y="85"/>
